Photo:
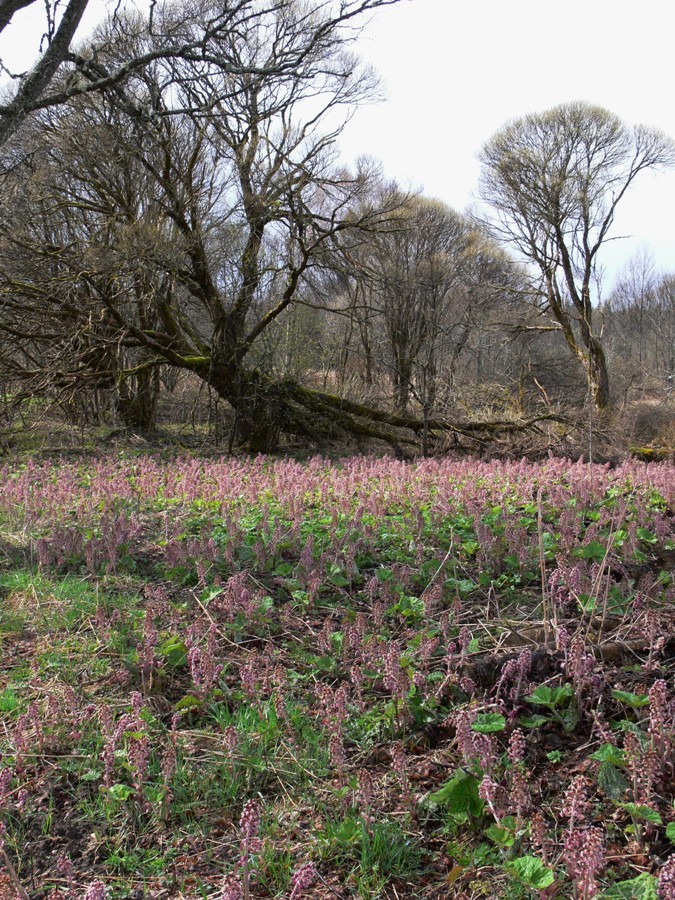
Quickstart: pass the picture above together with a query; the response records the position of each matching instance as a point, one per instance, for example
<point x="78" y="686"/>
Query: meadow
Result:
<point x="263" y="678"/>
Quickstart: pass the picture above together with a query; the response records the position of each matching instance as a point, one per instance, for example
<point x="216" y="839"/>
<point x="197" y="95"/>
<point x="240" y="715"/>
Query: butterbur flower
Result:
<point x="517" y="747"/>
<point x="396" y="679"/>
<point x="6" y="776"/>
<point x="575" y="803"/>
<point x="399" y="763"/>
<point x="584" y="856"/>
<point x="64" y="866"/>
<point x="365" y="791"/>
<point x="463" y="734"/>
<point x="666" y="888"/>
<point x="249" y="844"/>
<point x="658" y="706"/>
<point x="249" y="823"/>
<point x="487" y="791"/>
<point x="95" y="891"/>
<point x="520" y="793"/>
<point x="468" y="685"/>
<point x="230" y="739"/>
<point x="336" y="751"/>
<point x="485" y="751"/>
<point x="539" y="833"/>
<point x="302" y="878"/>
<point x="324" y="642"/>
<point x="232" y="889"/>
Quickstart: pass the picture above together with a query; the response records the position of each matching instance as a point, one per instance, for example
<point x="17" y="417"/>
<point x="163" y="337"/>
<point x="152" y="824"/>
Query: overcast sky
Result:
<point x="455" y="72"/>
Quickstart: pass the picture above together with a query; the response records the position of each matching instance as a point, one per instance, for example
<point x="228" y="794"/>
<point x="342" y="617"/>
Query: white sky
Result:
<point x="454" y="72"/>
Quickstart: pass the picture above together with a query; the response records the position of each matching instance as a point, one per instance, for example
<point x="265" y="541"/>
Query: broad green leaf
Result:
<point x="91" y="775"/>
<point x="670" y="831"/>
<point x="460" y="795"/>
<point x="174" y="651"/>
<point x="592" y="550"/>
<point x="545" y="695"/>
<point x="154" y="793"/>
<point x="384" y="574"/>
<point x="609" y="753"/>
<point x="645" y="535"/>
<point x="634" y="700"/>
<point x="533" y="721"/>
<point x="570" y="718"/>
<point x="610" y="781"/>
<point x="411" y="607"/>
<point x="532" y="872"/>
<point x="641" y="888"/>
<point x="188" y="702"/>
<point x="120" y="792"/>
<point x="339" y="579"/>
<point x="503" y="837"/>
<point x="488" y="723"/>
<point x="646" y="813"/>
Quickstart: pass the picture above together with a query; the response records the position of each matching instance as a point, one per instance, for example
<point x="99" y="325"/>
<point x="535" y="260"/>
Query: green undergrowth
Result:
<point x="398" y="671"/>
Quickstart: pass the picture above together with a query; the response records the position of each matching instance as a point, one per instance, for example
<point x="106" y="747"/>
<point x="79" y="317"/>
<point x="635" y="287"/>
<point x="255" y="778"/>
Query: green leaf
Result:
<point x="266" y="603"/>
<point x="533" y="721"/>
<point x="188" y="702"/>
<point x="463" y="586"/>
<point x="121" y="792"/>
<point x="503" y="837"/>
<point x="609" y="753"/>
<point x="384" y="574"/>
<point x="488" y="723"/>
<point x="532" y="872"/>
<point x="593" y="550"/>
<point x="670" y="831"/>
<point x="154" y="793"/>
<point x="337" y="576"/>
<point x="645" y="535"/>
<point x="646" y="813"/>
<point x="570" y="718"/>
<point x="611" y="782"/>
<point x="411" y="607"/>
<point x="554" y="756"/>
<point x="174" y="651"/>
<point x="641" y="888"/>
<point x="634" y="700"/>
<point x="460" y="795"/>
<point x="545" y="695"/>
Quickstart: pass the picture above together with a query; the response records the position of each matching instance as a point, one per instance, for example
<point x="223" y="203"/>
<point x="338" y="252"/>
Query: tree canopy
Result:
<point x="554" y="180"/>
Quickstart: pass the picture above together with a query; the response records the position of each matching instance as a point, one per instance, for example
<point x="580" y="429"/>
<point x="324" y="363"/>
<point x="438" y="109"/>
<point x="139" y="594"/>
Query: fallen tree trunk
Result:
<point x="264" y="409"/>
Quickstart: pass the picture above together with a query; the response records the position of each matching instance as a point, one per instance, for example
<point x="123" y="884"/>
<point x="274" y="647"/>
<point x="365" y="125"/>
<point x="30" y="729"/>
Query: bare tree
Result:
<point x="639" y="318"/>
<point x="193" y="32"/>
<point x="555" y="180"/>
<point x="169" y="244"/>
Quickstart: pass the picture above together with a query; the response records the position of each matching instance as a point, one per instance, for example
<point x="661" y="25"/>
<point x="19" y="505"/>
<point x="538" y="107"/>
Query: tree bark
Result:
<point x="137" y="400"/>
<point x="36" y="82"/>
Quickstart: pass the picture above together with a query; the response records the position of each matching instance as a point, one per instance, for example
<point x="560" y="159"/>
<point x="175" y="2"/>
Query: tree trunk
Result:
<point x="402" y="380"/>
<point x="137" y="400"/>
<point x="598" y="377"/>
